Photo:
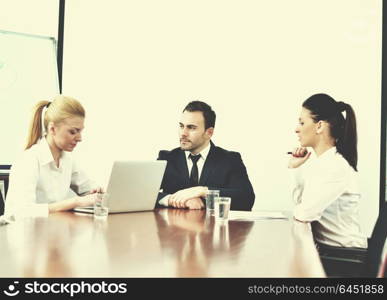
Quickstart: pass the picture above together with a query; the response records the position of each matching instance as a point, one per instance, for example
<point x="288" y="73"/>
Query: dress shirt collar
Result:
<point x="44" y="152"/>
<point x="328" y="153"/>
<point x="203" y="153"/>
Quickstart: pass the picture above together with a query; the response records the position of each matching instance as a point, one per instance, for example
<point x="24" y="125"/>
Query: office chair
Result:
<point x="357" y="262"/>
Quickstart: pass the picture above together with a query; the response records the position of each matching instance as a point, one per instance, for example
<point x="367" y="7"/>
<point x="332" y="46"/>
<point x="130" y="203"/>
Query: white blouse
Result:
<point x="35" y="181"/>
<point x="326" y="191"/>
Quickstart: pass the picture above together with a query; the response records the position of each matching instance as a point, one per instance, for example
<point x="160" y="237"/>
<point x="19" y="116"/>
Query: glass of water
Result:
<point x="101" y="209"/>
<point x="210" y="201"/>
<point x="222" y="207"/>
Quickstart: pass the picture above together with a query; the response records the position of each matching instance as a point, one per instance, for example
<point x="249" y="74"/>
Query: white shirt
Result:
<point x="201" y="160"/>
<point x="326" y="191"/>
<point x="200" y="164"/>
<point x="35" y="181"/>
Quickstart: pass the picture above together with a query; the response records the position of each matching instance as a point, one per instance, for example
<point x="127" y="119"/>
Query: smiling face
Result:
<point x="67" y="134"/>
<point x="192" y="133"/>
<point x="307" y="129"/>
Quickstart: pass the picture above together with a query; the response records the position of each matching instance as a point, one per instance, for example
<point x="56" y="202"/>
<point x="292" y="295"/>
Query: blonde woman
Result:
<point x="41" y="179"/>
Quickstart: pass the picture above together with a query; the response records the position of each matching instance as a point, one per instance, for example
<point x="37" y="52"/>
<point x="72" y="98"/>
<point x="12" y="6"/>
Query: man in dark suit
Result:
<point x="198" y="166"/>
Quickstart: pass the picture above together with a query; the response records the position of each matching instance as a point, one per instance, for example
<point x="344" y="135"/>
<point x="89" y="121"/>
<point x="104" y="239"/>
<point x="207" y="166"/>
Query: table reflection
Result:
<point x="42" y="247"/>
<point x="197" y="241"/>
<point x="160" y="243"/>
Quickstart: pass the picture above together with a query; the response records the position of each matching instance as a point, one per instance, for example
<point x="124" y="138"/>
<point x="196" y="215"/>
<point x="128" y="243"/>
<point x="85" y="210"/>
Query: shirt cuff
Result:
<point x="164" y="201"/>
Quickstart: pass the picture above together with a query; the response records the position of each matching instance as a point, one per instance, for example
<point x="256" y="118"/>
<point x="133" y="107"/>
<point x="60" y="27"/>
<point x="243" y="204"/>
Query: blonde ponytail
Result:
<point x="35" y="131"/>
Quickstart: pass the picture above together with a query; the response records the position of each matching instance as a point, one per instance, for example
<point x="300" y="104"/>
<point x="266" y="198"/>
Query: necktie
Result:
<point x="194" y="178"/>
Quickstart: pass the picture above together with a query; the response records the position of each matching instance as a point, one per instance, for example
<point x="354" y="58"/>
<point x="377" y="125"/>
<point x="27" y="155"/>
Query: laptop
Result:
<point x="133" y="186"/>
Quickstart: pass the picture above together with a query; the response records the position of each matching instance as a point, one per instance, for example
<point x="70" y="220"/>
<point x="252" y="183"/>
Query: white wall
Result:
<point x="33" y="17"/>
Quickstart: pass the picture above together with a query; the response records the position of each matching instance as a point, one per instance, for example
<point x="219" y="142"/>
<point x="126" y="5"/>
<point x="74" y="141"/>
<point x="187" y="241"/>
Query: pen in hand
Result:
<point x="303" y="155"/>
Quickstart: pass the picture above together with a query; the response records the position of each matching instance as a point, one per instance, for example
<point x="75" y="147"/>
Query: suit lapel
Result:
<point x="209" y="166"/>
<point x="182" y="167"/>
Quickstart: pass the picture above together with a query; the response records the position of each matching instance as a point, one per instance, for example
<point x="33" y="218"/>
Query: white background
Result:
<point x="34" y="17"/>
<point x="136" y="64"/>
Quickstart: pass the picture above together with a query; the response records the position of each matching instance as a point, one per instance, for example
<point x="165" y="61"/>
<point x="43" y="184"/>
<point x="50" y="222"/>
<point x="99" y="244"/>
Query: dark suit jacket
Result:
<point x="223" y="170"/>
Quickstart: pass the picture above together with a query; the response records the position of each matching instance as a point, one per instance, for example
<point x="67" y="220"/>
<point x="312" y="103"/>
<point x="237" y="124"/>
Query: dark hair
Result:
<point x="324" y="108"/>
<point x="208" y="114"/>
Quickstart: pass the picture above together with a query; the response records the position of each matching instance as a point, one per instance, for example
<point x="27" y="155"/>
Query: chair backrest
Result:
<point x="376" y="244"/>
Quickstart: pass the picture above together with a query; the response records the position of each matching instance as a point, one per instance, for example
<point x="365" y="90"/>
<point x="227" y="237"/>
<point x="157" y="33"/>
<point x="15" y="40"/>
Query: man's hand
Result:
<point x="180" y="198"/>
<point x="194" y="203"/>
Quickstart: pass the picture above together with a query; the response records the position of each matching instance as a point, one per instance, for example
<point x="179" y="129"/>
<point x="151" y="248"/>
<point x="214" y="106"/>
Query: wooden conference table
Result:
<point x="161" y="243"/>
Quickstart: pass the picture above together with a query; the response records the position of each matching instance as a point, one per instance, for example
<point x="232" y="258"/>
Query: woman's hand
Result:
<point x="299" y="156"/>
<point x="97" y="190"/>
<point x="87" y="200"/>
<point x="72" y="203"/>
